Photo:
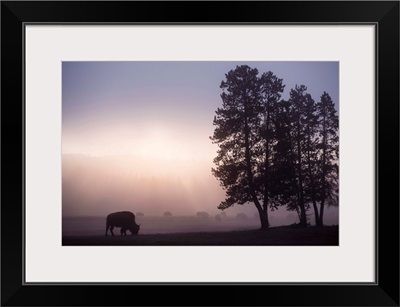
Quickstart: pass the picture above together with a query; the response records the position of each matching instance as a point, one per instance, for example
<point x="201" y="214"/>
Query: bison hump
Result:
<point x="122" y="215"/>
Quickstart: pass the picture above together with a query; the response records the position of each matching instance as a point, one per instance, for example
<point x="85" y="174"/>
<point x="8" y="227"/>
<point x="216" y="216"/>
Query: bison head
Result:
<point x="135" y="229"/>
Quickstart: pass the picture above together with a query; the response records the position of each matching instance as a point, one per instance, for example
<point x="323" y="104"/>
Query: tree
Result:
<point x="283" y="178"/>
<point x="283" y="152"/>
<point x="271" y="88"/>
<point x="329" y="146"/>
<point x="306" y="154"/>
<point x="311" y="153"/>
<point x="237" y="126"/>
<point x="298" y="99"/>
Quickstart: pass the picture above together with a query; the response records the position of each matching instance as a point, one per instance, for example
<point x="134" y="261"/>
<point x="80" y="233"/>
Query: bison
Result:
<point x="125" y="220"/>
<point x="241" y="216"/>
<point x="202" y="215"/>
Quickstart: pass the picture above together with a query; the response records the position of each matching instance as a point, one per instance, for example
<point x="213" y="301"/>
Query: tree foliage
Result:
<point x="237" y="135"/>
<point x="329" y="159"/>
<point x="274" y="152"/>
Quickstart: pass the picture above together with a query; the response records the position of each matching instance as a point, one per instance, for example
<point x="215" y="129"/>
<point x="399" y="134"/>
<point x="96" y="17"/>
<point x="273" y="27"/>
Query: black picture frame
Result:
<point x="383" y="14"/>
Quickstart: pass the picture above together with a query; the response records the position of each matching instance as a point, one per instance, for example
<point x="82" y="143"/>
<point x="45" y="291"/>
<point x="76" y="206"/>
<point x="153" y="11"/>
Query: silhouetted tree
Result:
<point x="283" y="152"/>
<point x="329" y="145"/>
<point x="311" y="153"/>
<point x="283" y="186"/>
<point x="271" y="88"/>
<point x="298" y="100"/>
<point x="237" y="126"/>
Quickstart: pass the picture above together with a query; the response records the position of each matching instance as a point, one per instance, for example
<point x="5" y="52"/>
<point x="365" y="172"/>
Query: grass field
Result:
<point x="284" y="235"/>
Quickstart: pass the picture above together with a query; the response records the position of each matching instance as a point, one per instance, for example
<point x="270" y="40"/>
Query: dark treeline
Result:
<point x="275" y="152"/>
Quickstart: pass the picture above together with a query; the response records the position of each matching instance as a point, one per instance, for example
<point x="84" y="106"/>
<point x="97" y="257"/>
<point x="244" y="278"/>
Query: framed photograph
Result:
<point x="239" y="148"/>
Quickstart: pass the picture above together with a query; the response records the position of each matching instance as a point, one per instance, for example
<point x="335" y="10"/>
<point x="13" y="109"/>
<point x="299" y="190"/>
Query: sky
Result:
<point x="147" y="124"/>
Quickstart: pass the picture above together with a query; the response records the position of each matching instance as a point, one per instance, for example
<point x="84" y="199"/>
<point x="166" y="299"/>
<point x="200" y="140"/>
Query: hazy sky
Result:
<point x="161" y="113"/>
<point x="146" y="107"/>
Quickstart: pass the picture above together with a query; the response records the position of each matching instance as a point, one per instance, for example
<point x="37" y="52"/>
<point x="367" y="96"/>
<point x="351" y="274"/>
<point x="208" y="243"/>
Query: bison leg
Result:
<point x="108" y="226"/>
<point x="111" y="229"/>
<point x="123" y="231"/>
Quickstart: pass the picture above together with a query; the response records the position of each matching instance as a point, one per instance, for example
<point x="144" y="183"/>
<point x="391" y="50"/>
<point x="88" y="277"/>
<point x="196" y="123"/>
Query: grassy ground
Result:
<point x="284" y="235"/>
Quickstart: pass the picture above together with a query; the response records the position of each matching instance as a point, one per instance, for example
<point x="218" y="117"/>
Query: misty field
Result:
<point x="190" y="230"/>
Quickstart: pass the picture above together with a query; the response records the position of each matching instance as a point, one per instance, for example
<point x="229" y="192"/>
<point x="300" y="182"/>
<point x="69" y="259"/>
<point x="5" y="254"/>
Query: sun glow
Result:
<point x="150" y="142"/>
<point x="160" y="144"/>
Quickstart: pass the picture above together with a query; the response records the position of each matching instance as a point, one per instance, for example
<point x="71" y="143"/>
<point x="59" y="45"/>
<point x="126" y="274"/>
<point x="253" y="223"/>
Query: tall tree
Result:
<point x="311" y="153"/>
<point x="271" y="88"/>
<point x="298" y="99"/>
<point x="283" y="187"/>
<point x="237" y="125"/>
<point x="329" y="145"/>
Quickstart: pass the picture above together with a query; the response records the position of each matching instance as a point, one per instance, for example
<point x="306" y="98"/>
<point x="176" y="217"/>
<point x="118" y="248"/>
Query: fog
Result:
<point x="100" y="185"/>
<point x="135" y="136"/>
<point x="97" y="186"/>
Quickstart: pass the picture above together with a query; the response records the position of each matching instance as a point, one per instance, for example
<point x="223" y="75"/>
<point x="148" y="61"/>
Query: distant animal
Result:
<point x="241" y="216"/>
<point x="202" y="215"/>
<point x="123" y="219"/>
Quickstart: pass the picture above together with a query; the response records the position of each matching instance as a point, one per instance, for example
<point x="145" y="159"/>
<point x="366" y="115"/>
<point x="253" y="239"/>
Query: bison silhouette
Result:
<point x="123" y="219"/>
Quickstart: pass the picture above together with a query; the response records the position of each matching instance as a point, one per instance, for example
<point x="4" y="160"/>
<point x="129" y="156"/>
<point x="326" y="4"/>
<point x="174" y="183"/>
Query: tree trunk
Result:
<point x="321" y="214"/>
<point x="303" y="216"/>
<point x="266" y="175"/>
<point x="263" y="218"/>
<point x="323" y="187"/>
<point x="250" y="176"/>
<point x="316" y="215"/>
<point x="313" y="194"/>
<point x="265" y="211"/>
